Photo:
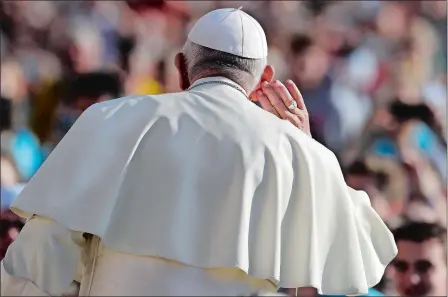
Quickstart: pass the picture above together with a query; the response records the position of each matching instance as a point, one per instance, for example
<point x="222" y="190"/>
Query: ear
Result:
<point x="181" y="64"/>
<point x="268" y="76"/>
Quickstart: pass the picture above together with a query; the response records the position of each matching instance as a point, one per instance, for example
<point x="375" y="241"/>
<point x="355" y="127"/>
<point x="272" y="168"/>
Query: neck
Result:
<point x="218" y="79"/>
<point x="221" y="75"/>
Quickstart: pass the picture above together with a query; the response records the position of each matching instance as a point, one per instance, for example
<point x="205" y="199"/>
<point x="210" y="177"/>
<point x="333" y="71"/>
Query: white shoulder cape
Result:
<point x="182" y="176"/>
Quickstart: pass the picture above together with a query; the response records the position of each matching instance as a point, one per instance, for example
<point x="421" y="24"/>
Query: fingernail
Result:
<point x="289" y="81"/>
<point x="265" y="84"/>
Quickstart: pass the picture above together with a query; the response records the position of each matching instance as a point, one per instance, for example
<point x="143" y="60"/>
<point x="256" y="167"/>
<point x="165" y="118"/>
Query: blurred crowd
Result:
<point x="373" y="75"/>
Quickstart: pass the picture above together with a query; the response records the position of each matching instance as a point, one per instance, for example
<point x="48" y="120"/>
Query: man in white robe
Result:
<point x="199" y="192"/>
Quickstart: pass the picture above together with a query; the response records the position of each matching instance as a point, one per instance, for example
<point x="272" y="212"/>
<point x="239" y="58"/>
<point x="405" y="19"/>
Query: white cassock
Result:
<point x="193" y="193"/>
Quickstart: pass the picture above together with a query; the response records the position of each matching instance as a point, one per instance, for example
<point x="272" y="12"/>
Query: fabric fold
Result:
<point x="179" y="176"/>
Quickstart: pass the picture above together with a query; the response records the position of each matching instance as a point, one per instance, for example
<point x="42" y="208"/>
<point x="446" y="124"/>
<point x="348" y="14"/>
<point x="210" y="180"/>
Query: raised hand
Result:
<point x="286" y="102"/>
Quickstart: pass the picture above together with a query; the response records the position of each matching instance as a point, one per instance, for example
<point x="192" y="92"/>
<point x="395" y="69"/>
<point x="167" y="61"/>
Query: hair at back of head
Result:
<point x="205" y="62"/>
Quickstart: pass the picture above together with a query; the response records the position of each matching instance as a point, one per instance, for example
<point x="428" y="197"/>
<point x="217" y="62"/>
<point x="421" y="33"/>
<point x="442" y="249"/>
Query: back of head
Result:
<point x="205" y="62"/>
<point x="227" y="42"/>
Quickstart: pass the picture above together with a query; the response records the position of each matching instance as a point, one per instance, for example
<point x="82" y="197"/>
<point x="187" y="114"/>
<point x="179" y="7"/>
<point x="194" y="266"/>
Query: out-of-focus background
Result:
<point x="373" y="75"/>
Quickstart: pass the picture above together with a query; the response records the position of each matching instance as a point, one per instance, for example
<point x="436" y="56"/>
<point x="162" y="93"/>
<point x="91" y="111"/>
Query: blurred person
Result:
<point x="360" y="177"/>
<point x="389" y="126"/>
<point x="10" y="181"/>
<point x="436" y="13"/>
<point x="420" y="266"/>
<point x="421" y="132"/>
<point x="87" y="47"/>
<point x="14" y="87"/>
<point x="422" y="150"/>
<point x="13" y="83"/>
<point x="168" y="73"/>
<point x="419" y="210"/>
<point x="141" y="79"/>
<point x="17" y="140"/>
<point x="25" y="149"/>
<point x="10" y="226"/>
<point x="86" y="89"/>
<point x="21" y="146"/>
<point x="152" y="180"/>
<point x="46" y="99"/>
<point x="9" y="174"/>
<point x="310" y="65"/>
<point x="392" y="20"/>
<point x="5" y="114"/>
<point x="277" y="60"/>
<point x="435" y="96"/>
<point x="414" y="65"/>
<point x="82" y="91"/>
<point x="425" y="185"/>
<point x="392" y="182"/>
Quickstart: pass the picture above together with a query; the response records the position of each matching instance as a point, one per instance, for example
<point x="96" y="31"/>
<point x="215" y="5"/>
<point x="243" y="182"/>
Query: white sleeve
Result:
<point x="43" y="260"/>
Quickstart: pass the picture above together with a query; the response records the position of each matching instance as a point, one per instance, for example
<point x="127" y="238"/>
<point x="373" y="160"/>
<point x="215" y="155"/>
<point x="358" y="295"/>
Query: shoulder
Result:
<point x="118" y="102"/>
<point x="123" y="104"/>
<point x="307" y="145"/>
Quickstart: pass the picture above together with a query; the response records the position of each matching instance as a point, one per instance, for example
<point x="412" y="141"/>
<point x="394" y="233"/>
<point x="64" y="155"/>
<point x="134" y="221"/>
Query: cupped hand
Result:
<point x="286" y="102"/>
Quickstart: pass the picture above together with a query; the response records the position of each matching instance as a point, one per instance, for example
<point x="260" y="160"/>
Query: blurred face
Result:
<point x="359" y="181"/>
<point x="311" y="67"/>
<point x="420" y="268"/>
<point x="9" y="175"/>
<point x="391" y="20"/>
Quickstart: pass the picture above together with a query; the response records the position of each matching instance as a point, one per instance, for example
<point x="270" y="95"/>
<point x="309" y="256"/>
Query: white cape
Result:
<point x="208" y="179"/>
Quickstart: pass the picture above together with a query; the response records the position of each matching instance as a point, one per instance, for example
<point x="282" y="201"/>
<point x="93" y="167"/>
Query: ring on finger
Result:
<point x="292" y="106"/>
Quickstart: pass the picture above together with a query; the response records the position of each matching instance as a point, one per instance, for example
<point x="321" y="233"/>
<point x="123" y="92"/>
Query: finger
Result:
<point x="275" y="100"/>
<point x="253" y="96"/>
<point x="284" y="94"/>
<point x="297" y="120"/>
<point x="265" y="103"/>
<point x="295" y="93"/>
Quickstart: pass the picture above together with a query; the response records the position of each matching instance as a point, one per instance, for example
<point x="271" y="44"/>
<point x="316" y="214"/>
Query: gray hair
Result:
<point x="203" y="62"/>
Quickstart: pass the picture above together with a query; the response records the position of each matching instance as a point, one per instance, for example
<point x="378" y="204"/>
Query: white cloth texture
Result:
<point x="47" y="257"/>
<point x="208" y="179"/>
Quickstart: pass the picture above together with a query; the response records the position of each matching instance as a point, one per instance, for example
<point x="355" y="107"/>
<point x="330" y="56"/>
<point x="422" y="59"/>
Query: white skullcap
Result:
<point x="231" y="31"/>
